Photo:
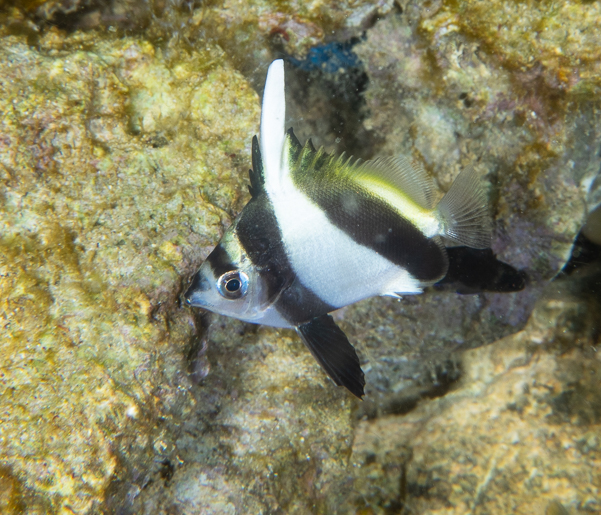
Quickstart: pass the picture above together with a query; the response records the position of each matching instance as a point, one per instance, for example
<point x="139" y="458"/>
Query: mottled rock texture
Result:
<point x="556" y="44"/>
<point x="452" y="99"/>
<point x="521" y="429"/>
<point x="114" y="164"/>
<point x="446" y="91"/>
<point x="270" y="433"/>
<point x="250" y="35"/>
<point x="249" y="31"/>
<point x="122" y="159"/>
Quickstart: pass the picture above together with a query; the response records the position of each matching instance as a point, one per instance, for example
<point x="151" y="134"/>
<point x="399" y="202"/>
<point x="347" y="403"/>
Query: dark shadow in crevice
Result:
<point x="437" y="382"/>
<point x="325" y="99"/>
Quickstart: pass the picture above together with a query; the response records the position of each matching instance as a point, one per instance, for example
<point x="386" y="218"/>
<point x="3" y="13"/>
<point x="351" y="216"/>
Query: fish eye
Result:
<point x="233" y="285"/>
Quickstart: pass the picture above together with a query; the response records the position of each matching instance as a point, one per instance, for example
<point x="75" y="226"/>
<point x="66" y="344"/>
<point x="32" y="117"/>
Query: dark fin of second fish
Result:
<point x="331" y="348"/>
<point x="257" y="180"/>
<point x="475" y="271"/>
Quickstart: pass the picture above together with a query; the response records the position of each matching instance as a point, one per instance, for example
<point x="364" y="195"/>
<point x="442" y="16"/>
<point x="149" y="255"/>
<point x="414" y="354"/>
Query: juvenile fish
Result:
<point x="322" y="232"/>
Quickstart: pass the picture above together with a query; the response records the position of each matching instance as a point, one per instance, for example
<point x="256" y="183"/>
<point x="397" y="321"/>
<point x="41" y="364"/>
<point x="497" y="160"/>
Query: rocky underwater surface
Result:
<point x="125" y="134"/>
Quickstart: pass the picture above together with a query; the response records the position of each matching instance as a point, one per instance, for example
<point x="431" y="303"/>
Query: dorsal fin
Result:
<point x="295" y="147"/>
<point x="257" y="181"/>
<point x="463" y="211"/>
<point x="273" y="112"/>
<point x="310" y="164"/>
<point x="408" y="177"/>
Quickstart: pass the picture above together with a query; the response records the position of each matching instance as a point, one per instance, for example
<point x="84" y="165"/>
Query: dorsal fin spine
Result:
<point x="295" y="147"/>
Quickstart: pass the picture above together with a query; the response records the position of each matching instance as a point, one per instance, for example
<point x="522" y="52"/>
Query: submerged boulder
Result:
<point x="117" y="169"/>
<point x="519" y="433"/>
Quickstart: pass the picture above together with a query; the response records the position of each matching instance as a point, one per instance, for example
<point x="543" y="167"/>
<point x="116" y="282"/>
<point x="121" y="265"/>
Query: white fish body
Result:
<point x="322" y="232"/>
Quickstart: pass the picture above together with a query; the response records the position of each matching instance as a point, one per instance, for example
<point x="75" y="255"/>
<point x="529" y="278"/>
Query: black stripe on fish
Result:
<point x="199" y="284"/>
<point x="220" y="261"/>
<point x="371" y="222"/>
<point x="257" y="179"/>
<point x="258" y="232"/>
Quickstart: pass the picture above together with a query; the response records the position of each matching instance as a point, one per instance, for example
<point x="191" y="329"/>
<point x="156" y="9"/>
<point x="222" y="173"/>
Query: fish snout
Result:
<point x="194" y="295"/>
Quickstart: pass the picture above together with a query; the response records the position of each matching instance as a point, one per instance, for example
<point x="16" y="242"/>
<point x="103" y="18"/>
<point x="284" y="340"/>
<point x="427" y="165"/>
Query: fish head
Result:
<point x="228" y="283"/>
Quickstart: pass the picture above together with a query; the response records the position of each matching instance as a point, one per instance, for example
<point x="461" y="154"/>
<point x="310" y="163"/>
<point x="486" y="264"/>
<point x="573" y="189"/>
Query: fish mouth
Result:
<point x="194" y="293"/>
<point x="190" y="301"/>
<point x="195" y="299"/>
<point x="195" y="302"/>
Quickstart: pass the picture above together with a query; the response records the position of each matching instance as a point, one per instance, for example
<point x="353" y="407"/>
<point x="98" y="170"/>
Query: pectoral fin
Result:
<point x="331" y="348"/>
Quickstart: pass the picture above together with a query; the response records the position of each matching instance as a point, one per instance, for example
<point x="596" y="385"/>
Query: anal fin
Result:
<point x="331" y="348"/>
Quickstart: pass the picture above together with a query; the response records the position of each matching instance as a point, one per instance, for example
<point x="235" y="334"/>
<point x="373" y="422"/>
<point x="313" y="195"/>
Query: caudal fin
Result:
<point x="464" y="213"/>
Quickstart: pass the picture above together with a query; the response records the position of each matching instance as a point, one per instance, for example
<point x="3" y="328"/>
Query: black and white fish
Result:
<point x="322" y="232"/>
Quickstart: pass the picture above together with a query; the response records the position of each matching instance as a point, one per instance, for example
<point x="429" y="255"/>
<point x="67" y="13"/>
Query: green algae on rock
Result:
<point x="121" y="164"/>
<point x="98" y="226"/>
<point x="559" y="42"/>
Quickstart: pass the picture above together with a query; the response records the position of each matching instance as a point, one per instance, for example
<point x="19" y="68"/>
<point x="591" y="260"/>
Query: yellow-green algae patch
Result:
<point x="559" y="41"/>
<point x="117" y="169"/>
